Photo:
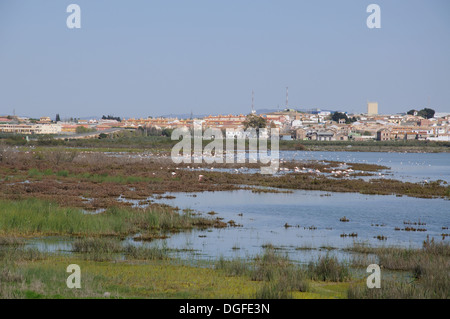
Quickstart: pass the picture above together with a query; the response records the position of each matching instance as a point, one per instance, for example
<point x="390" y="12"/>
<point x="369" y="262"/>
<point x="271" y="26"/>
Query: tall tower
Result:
<point x="253" y="102"/>
<point x="372" y="108"/>
<point x="287" y="97"/>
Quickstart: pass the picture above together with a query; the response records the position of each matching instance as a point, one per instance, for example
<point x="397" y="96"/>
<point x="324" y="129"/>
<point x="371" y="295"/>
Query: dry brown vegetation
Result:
<point x="93" y="180"/>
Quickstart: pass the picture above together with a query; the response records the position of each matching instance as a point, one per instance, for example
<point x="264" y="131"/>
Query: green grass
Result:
<point x="148" y="273"/>
<point x="422" y="273"/>
<point x="328" y="269"/>
<point x="33" y="217"/>
<point x="63" y="173"/>
<point x="152" y="278"/>
<point x="280" y="277"/>
<point x="107" y="249"/>
<point x="145" y="253"/>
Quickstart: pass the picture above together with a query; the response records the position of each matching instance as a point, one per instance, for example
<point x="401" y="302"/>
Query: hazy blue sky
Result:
<point x="153" y="57"/>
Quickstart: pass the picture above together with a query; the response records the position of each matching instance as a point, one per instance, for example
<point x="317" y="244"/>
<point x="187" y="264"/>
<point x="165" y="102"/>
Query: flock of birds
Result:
<point x="336" y="172"/>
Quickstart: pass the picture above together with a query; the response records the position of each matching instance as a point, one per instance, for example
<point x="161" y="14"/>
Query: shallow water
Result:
<point x="315" y="217"/>
<point x="412" y="167"/>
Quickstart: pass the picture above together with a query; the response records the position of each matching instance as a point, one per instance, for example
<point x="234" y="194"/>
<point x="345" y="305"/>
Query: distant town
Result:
<point x="293" y="124"/>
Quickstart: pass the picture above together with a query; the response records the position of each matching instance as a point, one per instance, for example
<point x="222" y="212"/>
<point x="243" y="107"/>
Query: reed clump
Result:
<point x="328" y="269"/>
<point x="233" y="267"/>
<point x="105" y="249"/>
<point x="280" y="277"/>
<point x="427" y="272"/>
<point x="145" y="253"/>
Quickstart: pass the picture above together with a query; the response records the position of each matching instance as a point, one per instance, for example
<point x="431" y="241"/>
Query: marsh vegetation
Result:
<point x="103" y="203"/>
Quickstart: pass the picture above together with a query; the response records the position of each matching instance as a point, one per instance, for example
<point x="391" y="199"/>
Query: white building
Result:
<point x="48" y="129"/>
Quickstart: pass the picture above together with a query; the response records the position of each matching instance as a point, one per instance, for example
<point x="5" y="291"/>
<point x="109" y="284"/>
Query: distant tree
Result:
<point x="426" y="113"/>
<point x="411" y="112"/>
<point x="102" y="135"/>
<point x="167" y="132"/>
<point x="57" y="119"/>
<point x="141" y="131"/>
<point x="255" y="121"/>
<point x="152" y="131"/>
<point x="110" y="117"/>
<point x="339" y="116"/>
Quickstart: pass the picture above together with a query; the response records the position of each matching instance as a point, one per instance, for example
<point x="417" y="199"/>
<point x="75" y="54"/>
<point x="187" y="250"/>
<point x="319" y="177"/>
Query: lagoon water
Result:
<point x="315" y="220"/>
<point x="411" y="167"/>
<point x="315" y="215"/>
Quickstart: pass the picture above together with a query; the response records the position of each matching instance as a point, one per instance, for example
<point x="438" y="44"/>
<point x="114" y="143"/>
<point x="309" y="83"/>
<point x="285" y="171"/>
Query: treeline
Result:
<point x="111" y="117"/>
<point x="153" y="131"/>
<point x="342" y="116"/>
<point x="426" y="113"/>
<point x="152" y="137"/>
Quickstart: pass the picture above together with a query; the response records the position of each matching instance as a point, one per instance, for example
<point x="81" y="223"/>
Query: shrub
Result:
<point x="328" y="269"/>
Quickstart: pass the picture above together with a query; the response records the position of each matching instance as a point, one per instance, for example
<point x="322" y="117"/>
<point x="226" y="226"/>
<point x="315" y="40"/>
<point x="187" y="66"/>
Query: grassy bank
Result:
<point x="27" y="273"/>
<point x="422" y="273"/>
<point x="114" y="269"/>
<point x="33" y="217"/>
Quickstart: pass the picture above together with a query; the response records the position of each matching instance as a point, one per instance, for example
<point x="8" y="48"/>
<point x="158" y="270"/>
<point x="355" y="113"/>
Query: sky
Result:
<point x="144" y="58"/>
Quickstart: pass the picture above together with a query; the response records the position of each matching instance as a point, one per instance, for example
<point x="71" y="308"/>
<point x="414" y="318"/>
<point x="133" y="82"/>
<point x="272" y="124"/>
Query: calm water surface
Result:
<point x="413" y="167"/>
<point x="315" y="217"/>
